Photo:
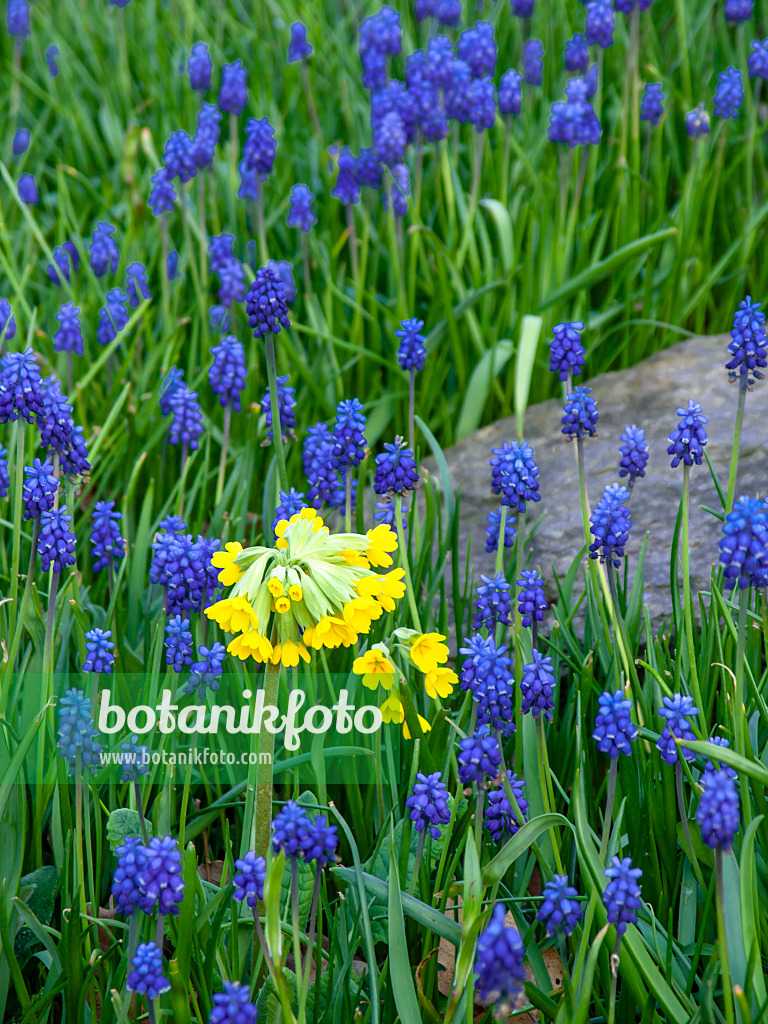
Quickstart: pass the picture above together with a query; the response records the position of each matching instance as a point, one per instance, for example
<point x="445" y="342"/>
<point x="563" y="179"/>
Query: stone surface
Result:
<point x="648" y="395"/>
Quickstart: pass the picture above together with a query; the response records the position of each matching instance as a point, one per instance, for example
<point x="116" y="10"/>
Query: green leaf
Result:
<point x="406" y="1001"/>
<point x="445" y="473"/>
<point x="186" y="919"/>
<point x="750" y="906"/>
<point x="428" y="917"/>
<point x="44" y="884"/>
<point x="754" y="769"/>
<point x="601" y="269"/>
<point x="519" y="843"/>
<point x="490" y="365"/>
<point x="124" y="823"/>
<point x="581" y="1014"/>
<point x="503" y="221"/>
<point x="530" y="331"/>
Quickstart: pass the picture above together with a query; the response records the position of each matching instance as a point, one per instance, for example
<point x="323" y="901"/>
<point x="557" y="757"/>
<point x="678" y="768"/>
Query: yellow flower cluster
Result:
<point x="313" y="589"/>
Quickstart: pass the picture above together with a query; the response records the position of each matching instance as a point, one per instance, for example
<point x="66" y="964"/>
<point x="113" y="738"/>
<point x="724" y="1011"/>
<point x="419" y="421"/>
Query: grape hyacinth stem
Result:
<point x="183" y="475"/>
<point x="412" y="410"/>
<point x="352" y="240"/>
<point x="297" y="938"/>
<point x="609" y="806"/>
<point x="262" y="812"/>
<point x="519" y="565"/>
<point x="140" y="809"/>
<point x="311" y="108"/>
<point x="479" y="820"/>
<point x="741" y="643"/>
<point x="614" y="981"/>
<point x="347" y="499"/>
<point x="277" y="430"/>
<point x="417" y="863"/>
<point x="260" y="226"/>
<point x="17" y="633"/>
<point x="311" y="928"/>
<point x="736" y="443"/>
<point x="17" y="517"/>
<point x="687" y="598"/>
<point x="223" y="456"/>
<point x="500" y="545"/>
<point x="722" y="938"/>
<point x="164" y="282"/>
<point x="403" y="551"/>
<point x="274" y="969"/>
<point x="690" y="852"/>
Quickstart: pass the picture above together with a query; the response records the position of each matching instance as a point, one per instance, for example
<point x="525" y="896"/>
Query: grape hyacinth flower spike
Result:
<point x="412" y="355"/>
<point x="286" y="402"/>
<point x="748" y="348"/>
<point x="349" y="446"/>
<point x="499" y="964"/>
<point x="567" y="351"/>
<point x="233" y="1005"/>
<point x="560" y="910"/>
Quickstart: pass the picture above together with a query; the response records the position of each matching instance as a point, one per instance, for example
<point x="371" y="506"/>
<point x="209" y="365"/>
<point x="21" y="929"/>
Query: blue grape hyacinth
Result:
<point x="52" y="54"/>
<point x="748" y="345"/>
<point x="28" y="191"/>
<point x="227" y="374"/>
<point x="738" y="11"/>
<point x="162" y="194"/>
<point x="178" y="643"/>
<point x="205" y="673"/>
<point x="428" y="804"/>
<point x="321" y="841"/>
<point x="560" y="909"/>
<point x="493" y="602"/>
<point x="718" y="811"/>
<point x="99" y="651"/>
<point x="580" y="415"/>
<point x="533" y="61"/>
<point x="260" y="146"/>
<point x="486" y="664"/>
<point x="729" y="94"/>
<point x="107" y="544"/>
<point x="146" y="977"/>
<point x="493" y="528"/>
<point x="56" y="546"/>
<point x="697" y="122"/>
<point x="291" y="502"/>
<point x="716" y="766"/>
<point x="177" y="157"/>
<point x="614" y="731"/>
<point x="77" y="734"/>
<point x="21" y="392"/>
<point x="566" y="350"/>
<point x="634" y="454"/>
<point x="126" y="881"/>
<point x="652" y="103"/>
<point x="134" y="759"/>
<point x="688" y="440"/>
<point x="162" y="884"/>
<point x="346" y="188"/>
<point x="576" y="53"/>
<point x="232" y="1005"/>
<point x="290" y="828"/>
<point x="187" y="422"/>
<point x="265" y="304"/>
<point x="18" y="18"/>
<point x="39" y="489"/>
<point x="510" y="94"/>
<point x="622" y="894"/>
<point x="677" y="711"/>
<point x="757" y="61"/>
<point x="600" y="23"/>
<point x="200" y="68"/>
<point x="531" y="602"/>
<point x="499" y="963"/>
<point x="21" y="141"/>
<point x="136" y="284"/>
<point x="69" y="336"/>
<point x="233" y="93"/>
<point x="349" y="443"/>
<point x="610" y="523"/>
<point x="286" y="404"/>
<point x="479" y="757"/>
<point x="250" y="876"/>
<point x="477" y="46"/>
<point x="5" y="479"/>
<point x="744" y="545"/>
<point x="514" y="474"/>
<point x="299" y="48"/>
<point x="411" y="353"/>
<point x="538" y="686"/>
<point x="300" y="214"/>
<point x="501" y="819"/>
<point x="103" y="252"/>
<point x="396" y="471"/>
<point x="7" y="321"/>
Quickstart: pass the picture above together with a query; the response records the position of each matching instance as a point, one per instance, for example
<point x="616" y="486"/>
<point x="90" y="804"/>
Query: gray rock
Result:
<point x="648" y="395"/>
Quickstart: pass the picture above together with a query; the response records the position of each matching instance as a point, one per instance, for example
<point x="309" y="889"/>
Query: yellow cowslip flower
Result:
<point x="225" y="560"/>
<point x="375" y="668"/>
<point x="360" y="613"/>
<point x="386" y="589"/>
<point x="251" y="645"/>
<point x="354" y="558"/>
<point x="439" y="682"/>
<point x="289" y="653"/>
<point x="313" y="589"/>
<point x="383" y="540"/>
<point x="428" y="651"/>
<point x="392" y="710"/>
<point x="234" y="615"/>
